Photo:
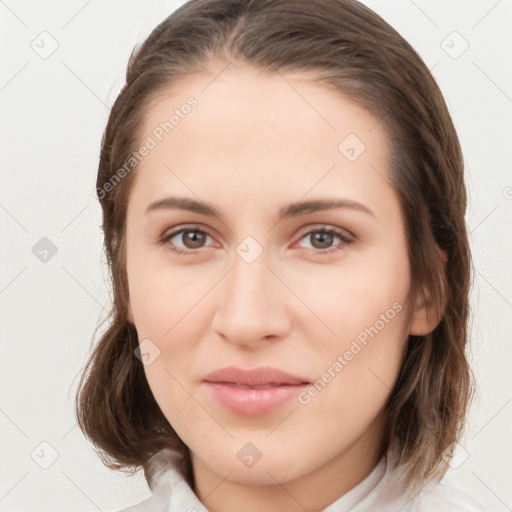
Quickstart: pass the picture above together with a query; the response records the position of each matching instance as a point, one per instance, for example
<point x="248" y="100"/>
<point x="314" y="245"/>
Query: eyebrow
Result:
<point x="291" y="210"/>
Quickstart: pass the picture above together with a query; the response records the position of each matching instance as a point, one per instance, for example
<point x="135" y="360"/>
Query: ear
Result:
<point x="424" y="317"/>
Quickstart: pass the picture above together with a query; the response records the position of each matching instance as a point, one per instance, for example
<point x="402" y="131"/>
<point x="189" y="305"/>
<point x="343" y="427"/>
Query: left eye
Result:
<point x="195" y="238"/>
<point x="323" y="238"/>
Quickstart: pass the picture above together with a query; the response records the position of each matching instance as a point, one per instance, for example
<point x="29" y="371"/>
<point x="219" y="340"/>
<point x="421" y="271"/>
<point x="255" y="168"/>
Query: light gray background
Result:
<point x="54" y="110"/>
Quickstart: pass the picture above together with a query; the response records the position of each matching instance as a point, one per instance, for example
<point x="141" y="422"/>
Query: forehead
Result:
<point x="245" y="102"/>
<point x="262" y="134"/>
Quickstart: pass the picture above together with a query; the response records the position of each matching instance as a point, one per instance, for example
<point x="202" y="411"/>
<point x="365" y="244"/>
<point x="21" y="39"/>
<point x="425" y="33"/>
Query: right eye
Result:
<point x="190" y="238"/>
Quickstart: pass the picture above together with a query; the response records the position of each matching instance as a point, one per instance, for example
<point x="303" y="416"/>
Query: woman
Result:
<point x="283" y="209"/>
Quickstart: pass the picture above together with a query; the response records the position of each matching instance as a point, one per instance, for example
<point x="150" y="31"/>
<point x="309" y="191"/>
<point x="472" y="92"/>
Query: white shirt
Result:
<point x="384" y="490"/>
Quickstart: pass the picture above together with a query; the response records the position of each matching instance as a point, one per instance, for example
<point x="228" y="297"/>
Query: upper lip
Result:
<point x="253" y="377"/>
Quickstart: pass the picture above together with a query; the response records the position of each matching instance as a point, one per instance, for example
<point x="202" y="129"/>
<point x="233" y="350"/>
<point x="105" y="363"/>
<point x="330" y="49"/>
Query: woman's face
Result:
<point x="261" y="285"/>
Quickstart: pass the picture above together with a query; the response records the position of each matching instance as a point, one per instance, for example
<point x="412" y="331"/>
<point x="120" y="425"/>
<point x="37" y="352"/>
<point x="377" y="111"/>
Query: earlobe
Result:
<point x="424" y="318"/>
<point x="423" y="321"/>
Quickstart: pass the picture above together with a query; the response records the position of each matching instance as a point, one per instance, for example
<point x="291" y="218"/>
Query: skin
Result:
<point x="255" y="143"/>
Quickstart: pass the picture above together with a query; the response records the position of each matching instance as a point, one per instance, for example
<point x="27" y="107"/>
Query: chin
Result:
<point x="276" y="467"/>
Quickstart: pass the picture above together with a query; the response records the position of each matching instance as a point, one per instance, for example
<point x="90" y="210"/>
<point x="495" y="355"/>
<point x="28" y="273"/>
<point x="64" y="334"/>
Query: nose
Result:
<point x="252" y="305"/>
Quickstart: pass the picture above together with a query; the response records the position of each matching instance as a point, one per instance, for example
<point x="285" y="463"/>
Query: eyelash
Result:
<point x="346" y="240"/>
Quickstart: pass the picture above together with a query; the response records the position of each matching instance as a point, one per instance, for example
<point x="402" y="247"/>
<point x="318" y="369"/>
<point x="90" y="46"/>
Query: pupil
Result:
<point x="322" y="238"/>
<point x="193" y="239"/>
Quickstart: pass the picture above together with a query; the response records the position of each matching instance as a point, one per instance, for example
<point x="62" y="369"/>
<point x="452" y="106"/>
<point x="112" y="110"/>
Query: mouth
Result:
<point x="253" y="392"/>
<point x="256" y="377"/>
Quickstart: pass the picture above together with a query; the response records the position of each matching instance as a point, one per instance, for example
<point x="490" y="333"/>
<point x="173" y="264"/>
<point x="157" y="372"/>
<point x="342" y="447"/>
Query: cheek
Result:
<point x="366" y="351"/>
<point x="370" y="291"/>
<point x="366" y="312"/>
<point x="168" y="309"/>
<point x="171" y="392"/>
<point x="356" y="375"/>
<point x="163" y="298"/>
<point x="166" y="306"/>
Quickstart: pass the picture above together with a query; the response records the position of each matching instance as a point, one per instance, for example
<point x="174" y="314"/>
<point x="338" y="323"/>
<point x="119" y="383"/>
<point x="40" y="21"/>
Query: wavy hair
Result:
<point x="350" y="49"/>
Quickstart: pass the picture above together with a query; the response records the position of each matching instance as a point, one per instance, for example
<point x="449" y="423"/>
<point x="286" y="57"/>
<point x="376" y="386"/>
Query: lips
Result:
<point x="258" y="377"/>
<point x="253" y="392"/>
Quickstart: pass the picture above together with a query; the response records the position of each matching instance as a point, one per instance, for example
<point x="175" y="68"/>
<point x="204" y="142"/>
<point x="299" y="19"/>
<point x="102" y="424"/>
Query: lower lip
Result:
<point x="253" y="402"/>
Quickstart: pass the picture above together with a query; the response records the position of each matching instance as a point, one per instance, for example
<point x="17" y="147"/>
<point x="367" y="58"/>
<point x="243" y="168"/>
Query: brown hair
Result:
<point x="349" y="49"/>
